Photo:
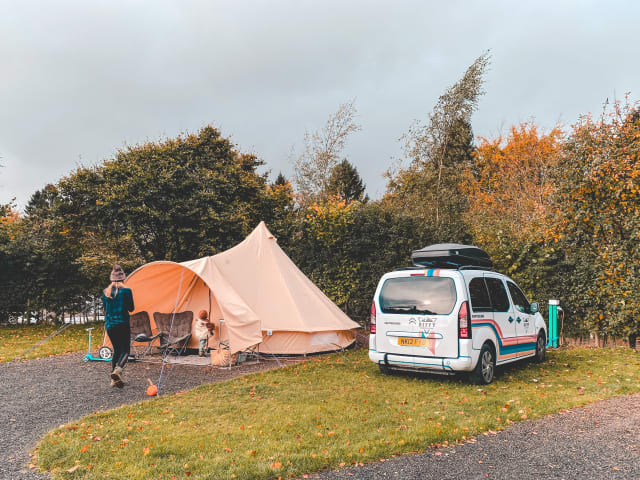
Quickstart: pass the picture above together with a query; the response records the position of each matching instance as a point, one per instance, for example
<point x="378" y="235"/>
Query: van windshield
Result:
<point x="429" y="295"/>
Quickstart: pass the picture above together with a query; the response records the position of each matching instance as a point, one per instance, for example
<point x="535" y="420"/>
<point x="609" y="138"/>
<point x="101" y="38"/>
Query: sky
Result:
<point x="80" y="80"/>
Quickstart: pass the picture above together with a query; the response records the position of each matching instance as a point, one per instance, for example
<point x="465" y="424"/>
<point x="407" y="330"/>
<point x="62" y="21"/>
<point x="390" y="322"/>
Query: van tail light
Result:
<point x="372" y="322"/>
<point x="464" y="326"/>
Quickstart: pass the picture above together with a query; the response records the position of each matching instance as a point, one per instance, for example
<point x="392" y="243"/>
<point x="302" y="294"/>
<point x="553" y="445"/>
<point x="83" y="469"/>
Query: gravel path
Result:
<point x="38" y="395"/>
<point x="601" y="440"/>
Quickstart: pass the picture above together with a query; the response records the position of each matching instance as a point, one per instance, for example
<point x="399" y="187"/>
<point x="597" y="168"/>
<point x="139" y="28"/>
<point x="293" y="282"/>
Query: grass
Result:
<point x="327" y="412"/>
<point x="15" y="340"/>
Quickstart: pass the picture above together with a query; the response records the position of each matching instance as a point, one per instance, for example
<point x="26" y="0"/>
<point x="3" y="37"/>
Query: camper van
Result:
<point x="450" y="313"/>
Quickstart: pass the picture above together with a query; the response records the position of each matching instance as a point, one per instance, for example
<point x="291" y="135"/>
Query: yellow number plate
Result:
<point x="413" y="342"/>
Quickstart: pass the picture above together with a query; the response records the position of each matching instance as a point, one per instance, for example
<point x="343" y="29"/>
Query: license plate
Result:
<point x="413" y="342"/>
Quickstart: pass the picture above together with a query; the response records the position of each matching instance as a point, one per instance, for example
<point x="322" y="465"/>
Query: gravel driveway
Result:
<point x="38" y="395"/>
<point x="600" y="441"/>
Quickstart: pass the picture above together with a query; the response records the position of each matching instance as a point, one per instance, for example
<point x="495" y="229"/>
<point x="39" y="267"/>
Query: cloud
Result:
<point x="81" y="79"/>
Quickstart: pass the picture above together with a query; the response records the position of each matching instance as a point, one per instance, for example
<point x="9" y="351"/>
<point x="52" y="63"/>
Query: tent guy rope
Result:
<point x="64" y="327"/>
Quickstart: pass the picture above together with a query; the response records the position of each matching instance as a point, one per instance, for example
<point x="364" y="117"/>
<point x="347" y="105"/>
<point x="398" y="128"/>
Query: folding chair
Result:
<point x="141" y="333"/>
<point x="175" y="343"/>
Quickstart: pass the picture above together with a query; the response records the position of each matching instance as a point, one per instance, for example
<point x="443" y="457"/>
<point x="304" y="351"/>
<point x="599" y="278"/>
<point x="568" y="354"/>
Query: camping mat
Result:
<point x="189" y="360"/>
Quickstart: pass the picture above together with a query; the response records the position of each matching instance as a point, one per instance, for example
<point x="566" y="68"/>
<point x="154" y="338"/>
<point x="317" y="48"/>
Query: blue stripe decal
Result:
<point x="505" y="350"/>
<point x="430" y="272"/>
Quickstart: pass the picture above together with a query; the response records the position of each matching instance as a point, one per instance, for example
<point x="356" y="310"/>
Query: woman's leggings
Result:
<point x="121" y="341"/>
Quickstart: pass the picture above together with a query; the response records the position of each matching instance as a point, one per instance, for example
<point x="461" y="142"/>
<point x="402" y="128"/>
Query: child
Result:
<point x="202" y="331"/>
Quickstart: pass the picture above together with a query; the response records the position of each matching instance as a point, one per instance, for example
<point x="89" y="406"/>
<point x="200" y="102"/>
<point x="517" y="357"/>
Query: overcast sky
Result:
<point x="80" y="79"/>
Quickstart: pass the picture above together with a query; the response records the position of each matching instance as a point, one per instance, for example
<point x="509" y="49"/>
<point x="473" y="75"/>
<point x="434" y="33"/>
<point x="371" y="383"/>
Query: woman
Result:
<point x="118" y="302"/>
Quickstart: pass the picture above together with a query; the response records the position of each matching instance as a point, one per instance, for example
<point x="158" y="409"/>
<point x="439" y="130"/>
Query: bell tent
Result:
<point x="254" y="294"/>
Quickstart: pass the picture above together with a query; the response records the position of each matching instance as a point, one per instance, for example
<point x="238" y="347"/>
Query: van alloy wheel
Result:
<point x="485" y="368"/>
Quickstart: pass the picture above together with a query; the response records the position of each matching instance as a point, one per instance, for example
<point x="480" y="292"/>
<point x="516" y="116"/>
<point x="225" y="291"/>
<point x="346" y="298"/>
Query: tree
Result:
<point x="177" y="199"/>
<point x="511" y="213"/>
<point x="321" y="154"/>
<point x="280" y="180"/>
<point x="439" y="151"/>
<point x="599" y="191"/>
<point x="344" y="247"/>
<point x="345" y="182"/>
<point x="510" y="186"/>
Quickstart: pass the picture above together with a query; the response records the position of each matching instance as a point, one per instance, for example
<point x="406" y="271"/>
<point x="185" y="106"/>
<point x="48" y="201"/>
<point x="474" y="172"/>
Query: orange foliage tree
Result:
<point x="511" y="186"/>
<point x="511" y="210"/>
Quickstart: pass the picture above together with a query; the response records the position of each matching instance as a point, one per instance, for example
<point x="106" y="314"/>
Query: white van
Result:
<point x="449" y="320"/>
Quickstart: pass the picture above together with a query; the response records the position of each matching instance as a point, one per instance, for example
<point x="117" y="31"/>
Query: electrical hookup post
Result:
<point x="554" y="307"/>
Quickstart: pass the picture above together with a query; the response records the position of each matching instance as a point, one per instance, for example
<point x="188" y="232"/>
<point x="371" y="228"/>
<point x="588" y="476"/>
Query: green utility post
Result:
<point x="553" y="323"/>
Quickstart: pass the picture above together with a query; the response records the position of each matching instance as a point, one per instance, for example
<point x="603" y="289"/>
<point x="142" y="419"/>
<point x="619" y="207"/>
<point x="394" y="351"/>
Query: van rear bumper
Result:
<point x="436" y="365"/>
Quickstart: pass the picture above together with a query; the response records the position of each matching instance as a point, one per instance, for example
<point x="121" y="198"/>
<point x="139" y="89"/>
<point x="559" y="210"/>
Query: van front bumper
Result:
<point x="431" y="364"/>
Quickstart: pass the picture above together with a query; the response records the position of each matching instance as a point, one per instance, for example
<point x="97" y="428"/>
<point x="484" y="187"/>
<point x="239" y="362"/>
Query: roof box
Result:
<point x="451" y="255"/>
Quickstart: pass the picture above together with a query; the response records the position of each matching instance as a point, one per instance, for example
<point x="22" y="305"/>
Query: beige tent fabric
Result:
<point x="258" y="292"/>
<point x="275" y="288"/>
<point x="297" y="343"/>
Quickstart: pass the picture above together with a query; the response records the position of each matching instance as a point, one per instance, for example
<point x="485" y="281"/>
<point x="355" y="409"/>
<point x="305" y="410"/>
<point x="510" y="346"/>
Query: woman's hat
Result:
<point x="117" y="274"/>
<point x="203" y="315"/>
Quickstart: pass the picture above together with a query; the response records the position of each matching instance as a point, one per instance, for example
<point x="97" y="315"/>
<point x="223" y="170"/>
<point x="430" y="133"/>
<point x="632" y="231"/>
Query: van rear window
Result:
<point x="428" y="295"/>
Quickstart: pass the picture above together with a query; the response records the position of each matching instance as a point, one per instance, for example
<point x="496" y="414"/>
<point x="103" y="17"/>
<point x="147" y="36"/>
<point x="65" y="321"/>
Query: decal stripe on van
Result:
<point x="508" y="347"/>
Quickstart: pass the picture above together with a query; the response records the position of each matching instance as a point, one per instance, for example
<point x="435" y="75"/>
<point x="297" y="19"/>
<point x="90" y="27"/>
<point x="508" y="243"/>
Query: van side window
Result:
<point x="519" y="300"/>
<point x="479" y="296"/>
<point x="498" y="294"/>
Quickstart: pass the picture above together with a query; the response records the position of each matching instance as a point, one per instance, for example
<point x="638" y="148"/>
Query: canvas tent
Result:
<point x="260" y="294"/>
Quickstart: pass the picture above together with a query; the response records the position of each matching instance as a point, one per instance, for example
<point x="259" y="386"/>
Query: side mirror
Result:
<point x="535" y="307"/>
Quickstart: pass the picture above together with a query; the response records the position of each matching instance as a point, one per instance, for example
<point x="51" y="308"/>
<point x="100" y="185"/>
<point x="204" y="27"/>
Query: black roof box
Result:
<point x="451" y="255"/>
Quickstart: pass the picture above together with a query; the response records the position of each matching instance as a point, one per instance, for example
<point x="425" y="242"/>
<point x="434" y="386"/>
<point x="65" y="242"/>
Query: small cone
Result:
<point x="152" y="390"/>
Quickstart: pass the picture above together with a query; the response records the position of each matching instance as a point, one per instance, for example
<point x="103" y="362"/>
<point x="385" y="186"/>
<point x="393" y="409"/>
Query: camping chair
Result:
<point x="175" y="343"/>
<point x="141" y="333"/>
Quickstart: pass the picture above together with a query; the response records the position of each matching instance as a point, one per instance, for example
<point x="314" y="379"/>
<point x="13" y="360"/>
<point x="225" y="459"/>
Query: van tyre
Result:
<point x="484" y="371"/>
<point x="541" y="349"/>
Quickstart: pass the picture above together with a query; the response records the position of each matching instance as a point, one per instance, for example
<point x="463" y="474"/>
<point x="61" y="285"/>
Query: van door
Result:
<point x="525" y="319"/>
<point x="417" y="316"/>
<point x="481" y="309"/>
<point x="504" y="322"/>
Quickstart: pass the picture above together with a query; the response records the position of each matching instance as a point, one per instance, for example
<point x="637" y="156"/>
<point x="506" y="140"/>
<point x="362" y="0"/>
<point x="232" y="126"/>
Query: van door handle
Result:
<point x="510" y="319"/>
<point x="518" y="319"/>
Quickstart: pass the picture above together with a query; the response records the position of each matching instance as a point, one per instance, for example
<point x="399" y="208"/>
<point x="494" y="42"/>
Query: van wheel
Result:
<point x="541" y="349"/>
<point x="483" y="373"/>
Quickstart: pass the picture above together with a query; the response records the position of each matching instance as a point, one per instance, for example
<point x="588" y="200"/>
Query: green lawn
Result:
<point x="324" y="413"/>
<point x="17" y="339"/>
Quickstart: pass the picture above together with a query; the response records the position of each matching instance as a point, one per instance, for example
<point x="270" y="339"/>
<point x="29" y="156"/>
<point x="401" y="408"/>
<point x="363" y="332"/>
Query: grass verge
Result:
<point x="324" y="413"/>
<point x="17" y="339"/>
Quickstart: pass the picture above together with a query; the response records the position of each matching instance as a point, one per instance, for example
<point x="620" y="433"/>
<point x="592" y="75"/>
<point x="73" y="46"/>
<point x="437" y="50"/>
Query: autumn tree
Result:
<point x="511" y="211"/>
<point x="599" y="193"/>
<point x="322" y="152"/>
<point x="439" y="151"/>
<point x="344" y="247"/>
